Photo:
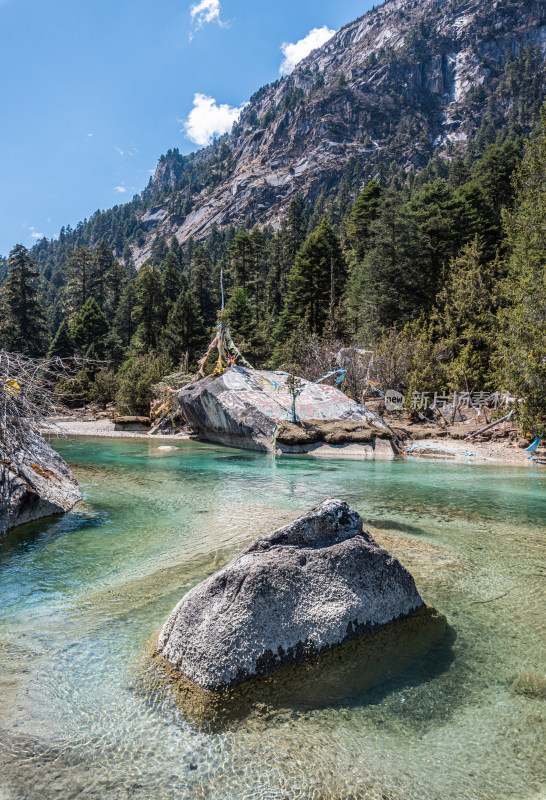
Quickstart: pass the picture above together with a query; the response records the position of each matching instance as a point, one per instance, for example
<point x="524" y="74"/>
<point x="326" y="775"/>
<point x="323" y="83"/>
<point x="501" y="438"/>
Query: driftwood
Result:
<point x="492" y="425"/>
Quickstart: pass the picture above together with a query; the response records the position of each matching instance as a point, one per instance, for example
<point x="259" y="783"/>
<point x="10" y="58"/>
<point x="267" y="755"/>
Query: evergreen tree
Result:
<point x="466" y="319"/>
<point x="258" y="272"/>
<point x="160" y="248"/>
<point x="239" y="317"/>
<point x="22" y="320"/>
<point x="293" y="231"/>
<point x="494" y="171"/>
<point x="124" y="324"/>
<point x="482" y="219"/>
<point x="184" y="334"/>
<point x="151" y="309"/>
<point x="364" y="212"/>
<point x="315" y="283"/>
<point x="79" y="270"/>
<point x="176" y="250"/>
<point x="172" y="278"/>
<point x="441" y="217"/>
<point x="202" y="288"/>
<point x="129" y="263"/>
<point x="523" y="345"/>
<point x="103" y="270"/>
<point x="89" y="329"/>
<point x="241" y="254"/>
<point x="62" y="345"/>
<point x="388" y="287"/>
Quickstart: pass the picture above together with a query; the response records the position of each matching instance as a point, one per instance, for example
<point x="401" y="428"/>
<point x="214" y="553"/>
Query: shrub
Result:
<point x="136" y="378"/>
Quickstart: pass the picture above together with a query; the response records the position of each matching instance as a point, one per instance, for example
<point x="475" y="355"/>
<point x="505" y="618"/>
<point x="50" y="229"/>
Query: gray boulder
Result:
<point x="251" y="409"/>
<point x="36" y="483"/>
<point x="304" y="589"/>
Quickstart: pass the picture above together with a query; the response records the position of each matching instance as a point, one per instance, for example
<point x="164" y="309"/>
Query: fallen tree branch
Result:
<point x="488" y="427"/>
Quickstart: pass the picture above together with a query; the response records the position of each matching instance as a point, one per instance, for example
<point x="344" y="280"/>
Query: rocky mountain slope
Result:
<point x="408" y="80"/>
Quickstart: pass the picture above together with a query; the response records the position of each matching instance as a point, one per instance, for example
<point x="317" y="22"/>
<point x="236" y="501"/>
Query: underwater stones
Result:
<point x="310" y="586"/>
<point x="531" y="684"/>
<point x="250" y="409"/>
<point x="36" y="483"/>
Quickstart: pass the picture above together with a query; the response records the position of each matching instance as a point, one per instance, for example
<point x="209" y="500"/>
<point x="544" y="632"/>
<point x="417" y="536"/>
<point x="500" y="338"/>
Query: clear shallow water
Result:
<point x="81" y="596"/>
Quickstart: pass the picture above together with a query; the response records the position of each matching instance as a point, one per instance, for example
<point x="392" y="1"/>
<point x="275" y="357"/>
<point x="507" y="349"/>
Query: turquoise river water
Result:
<point x="82" y="595"/>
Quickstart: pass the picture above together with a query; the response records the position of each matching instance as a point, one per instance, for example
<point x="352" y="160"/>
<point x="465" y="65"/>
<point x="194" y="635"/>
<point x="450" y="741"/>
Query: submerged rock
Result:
<point x="303" y="590"/>
<point x="37" y="483"/>
<point x="532" y="684"/>
<point x="332" y="677"/>
<point x="251" y="409"/>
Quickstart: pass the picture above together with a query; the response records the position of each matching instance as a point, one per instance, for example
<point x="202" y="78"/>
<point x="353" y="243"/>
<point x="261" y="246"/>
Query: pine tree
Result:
<point x="523" y="343"/>
<point x="493" y="172"/>
<point x="108" y="279"/>
<point x="202" y="288"/>
<point x="172" y="278"/>
<point x="364" y="212"/>
<point x="62" y="345"/>
<point x="239" y="317"/>
<point x="124" y="325"/>
<point x="294" y="230"/>
<point x="176" y="250"/>
<point x="89" y="329"/>
<point x="160" y="248"/>
<point x="241" y="254"/>
<point x="151" y="309"/>
<point x="315" y="283"/>
<point x="129" y="263"/>
<point x="466" y="319"/>
<point x="79" y="270"/>
<point x="184" y="334"/>
<point x="103" y="268"/>
<point x="22" y="321"/>
<point x="388" y="287"/>
<point x="441" y="217"/>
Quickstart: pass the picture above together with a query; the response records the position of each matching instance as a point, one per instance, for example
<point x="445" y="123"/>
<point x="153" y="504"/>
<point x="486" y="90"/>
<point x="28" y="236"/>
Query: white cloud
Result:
<point x="120" y="151"/>
<point x="120" y="189"/>
<point x="37" y="235"/>
<point x="294" y="52"/>
<point x="205" y="11"/>
<point x="90" y="135"/>
<point x="207" y="119"/>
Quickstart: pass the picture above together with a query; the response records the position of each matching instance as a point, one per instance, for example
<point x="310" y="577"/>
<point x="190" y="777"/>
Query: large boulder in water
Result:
<point x="35" y="483"/>
<point x="300" y="591"/>
<point x="251" y="409"/>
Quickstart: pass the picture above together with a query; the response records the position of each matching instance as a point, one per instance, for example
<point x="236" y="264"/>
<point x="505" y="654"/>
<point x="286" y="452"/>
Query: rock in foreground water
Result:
<point x="303" y="590"/>
<point x="36" y="484"/>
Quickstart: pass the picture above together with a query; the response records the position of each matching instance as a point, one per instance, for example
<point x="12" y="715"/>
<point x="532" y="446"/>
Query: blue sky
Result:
<point x="93" y="92"/>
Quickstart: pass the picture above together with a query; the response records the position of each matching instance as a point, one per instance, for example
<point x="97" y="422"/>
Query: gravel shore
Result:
<point x="101" y="427"/>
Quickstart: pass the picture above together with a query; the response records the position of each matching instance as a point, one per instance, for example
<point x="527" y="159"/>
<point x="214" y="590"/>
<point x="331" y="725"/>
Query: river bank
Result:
<point x="423" y="443"/>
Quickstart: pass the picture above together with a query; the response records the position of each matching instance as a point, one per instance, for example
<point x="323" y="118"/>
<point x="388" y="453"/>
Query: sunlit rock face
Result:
<point x="308" y="587"/>
<point x="35" y="484"/>
<point x="408" y="80"/>
<point x="252" y="409"/>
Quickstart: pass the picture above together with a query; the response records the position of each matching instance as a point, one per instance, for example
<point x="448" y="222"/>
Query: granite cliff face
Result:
<point x="409" y="79"/>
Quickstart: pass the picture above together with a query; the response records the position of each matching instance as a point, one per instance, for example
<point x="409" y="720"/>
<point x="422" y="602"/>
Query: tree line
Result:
<point x="441" y="274"/>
